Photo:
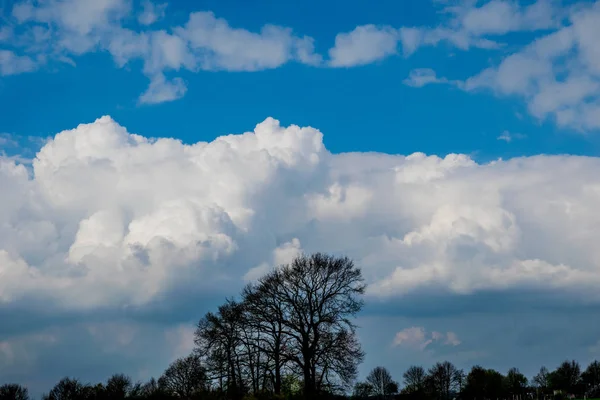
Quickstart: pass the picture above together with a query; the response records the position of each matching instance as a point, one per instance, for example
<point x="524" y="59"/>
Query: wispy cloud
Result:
<point x="363" y="45"/>
<point x="423" y="76"/>
<point x="508" y="137"/>
<point x="418" y="338"/>
<point x="151" y="12"/>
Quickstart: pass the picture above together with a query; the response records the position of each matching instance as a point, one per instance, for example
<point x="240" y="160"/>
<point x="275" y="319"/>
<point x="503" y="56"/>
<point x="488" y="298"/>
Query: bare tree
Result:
<point x="414" y="379"/>
<point x="382" y="383"/>
<point x="444" y="377"/>
<point x="362" y="390"/>
<point x="266" y="315"/>
<point x="13" y="392"/>
<point x="218" y="339"/>
<point x="68" y="389"/>
<point x="184" y="377"/>
<point x="319" y="293"/>
<point x="150" y="390"/>
<point x="118" y="386"/>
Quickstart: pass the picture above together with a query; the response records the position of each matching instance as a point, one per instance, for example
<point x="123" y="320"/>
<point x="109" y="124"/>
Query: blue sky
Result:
<point x="343" y="102"/>
<point x="436" y="142"/>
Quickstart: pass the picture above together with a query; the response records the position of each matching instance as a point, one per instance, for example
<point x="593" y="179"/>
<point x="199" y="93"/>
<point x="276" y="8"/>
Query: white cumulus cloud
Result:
<point x="558" y="75"/>
<point x="106" y="222"/>
<point x="364" y="45"/>
<point x="108" y="218"/>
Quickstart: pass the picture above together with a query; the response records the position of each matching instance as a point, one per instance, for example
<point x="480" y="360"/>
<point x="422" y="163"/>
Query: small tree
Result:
<point x="414" y="379"/>
<point x="118" y="387"/>
<point x="13" y="392"/>
<point x="68" y="389"/>
<point x="591" y="378"/>
<point x="444" y="380"/>
<point x="516" y="382"/>
<point x="362" y="390"/>
<point x="184" y="377"/>
<point x="541" y="380"/>
<point x="484" y="383"/>
<point x="381" y="382"/>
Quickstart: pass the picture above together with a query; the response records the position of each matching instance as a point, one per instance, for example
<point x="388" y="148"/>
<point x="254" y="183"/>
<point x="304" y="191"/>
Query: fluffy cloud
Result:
<point x="162" y="90"/>
<point x="151" y="12"/>
<point x="498" y="17"/>
<point x="364" y="45"/>
<point x="108" y="225"/>
<point x="102" y="211"/>
<point x="218" y="46"/>
<point x="557" y="75"/>
<point x="11" y="63"/>
<point x="57" y="30"/>
<point x="467" y="25"/>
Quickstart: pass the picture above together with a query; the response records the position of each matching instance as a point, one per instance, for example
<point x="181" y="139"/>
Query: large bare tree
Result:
<point x="318" y="295"/>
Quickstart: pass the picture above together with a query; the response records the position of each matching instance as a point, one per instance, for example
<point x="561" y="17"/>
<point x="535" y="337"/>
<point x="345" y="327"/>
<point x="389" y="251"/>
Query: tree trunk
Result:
<point x="309" y="387"/>
<point x="277" y="383"/>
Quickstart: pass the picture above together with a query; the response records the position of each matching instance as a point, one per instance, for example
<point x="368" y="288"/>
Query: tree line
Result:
<point x="445" y="381"/>
<point x="291" y="335"/>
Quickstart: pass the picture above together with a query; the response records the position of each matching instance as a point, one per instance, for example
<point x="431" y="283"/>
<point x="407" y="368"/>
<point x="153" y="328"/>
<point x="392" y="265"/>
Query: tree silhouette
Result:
<point x="218" y="339"/>
<point x="266" y="315"/>
<point x="591" y="379"/>
<point x="150" y="390"/>
<point x="415" y="379"/>
<point x="542" y="379"/>
<point x="379" y="383"/>
<point x="291" y="335"/>
<point x="485" y="384"/>
<point x="69" y="389"/>
<point x="13" y="392"/>
<point x="318" y="294"/>
<point x="567" y="377"/>
<point x="444" y="380"/>
<point x="118" y="387"/>
<point x="516" y="382"/>
<point x="184" y="377"/>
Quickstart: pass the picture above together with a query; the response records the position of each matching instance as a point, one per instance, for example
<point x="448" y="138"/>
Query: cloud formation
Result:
<point x="557" y="75"/>
<point x="418" y="338"/>
<point x="508" y="137"/>
<point x="423" y="76"/>
<point x="101" y="211"/>
<point x="97" y="232"/>
<point x="58" y="30"/>
<point x="364" y="45"/>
